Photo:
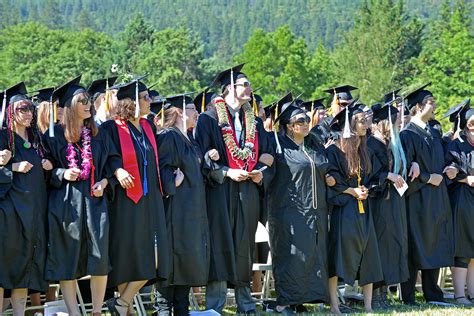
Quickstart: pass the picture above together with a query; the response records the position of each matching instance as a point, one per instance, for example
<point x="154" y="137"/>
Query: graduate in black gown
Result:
<point x="100" y="93"/>
<point x="185" y="205"/>
<point x="83" y="158"/>
<point x="387" y="206"/>
<point x="232" y="187"/>
<point x="353" y="249"/>
<point x="297" y="203"/>
<point x="460" y="155"/>
<point x="317" y="114"/>
<point x="23" y="202"/>
<point x="138" y="237"/>
<point x="430" y="223"/>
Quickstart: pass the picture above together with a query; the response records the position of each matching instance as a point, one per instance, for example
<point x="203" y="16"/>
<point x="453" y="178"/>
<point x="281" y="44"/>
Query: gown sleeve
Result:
<point x="410" y="152"/>
<point x="169" y="161"/>
<point x="57" y="174"/>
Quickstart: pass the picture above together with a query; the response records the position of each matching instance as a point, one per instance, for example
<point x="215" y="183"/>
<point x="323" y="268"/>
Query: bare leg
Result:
<point x="367" y="290"/>
<point x="198" y="295"/>
<point x="470" y="278"/>
<point x="35" y="299"/>
<point x="257" y="282"/>
<point x="51" y="294"/>
<point x="98" y="285"/>
<point x="334" y="301"/>
<point x="69" y="290"/>
<point x="18" y="300"/>
<point x="459" y="280"/>
<point x="1" y="300"/>
<point x="127" y="292"/>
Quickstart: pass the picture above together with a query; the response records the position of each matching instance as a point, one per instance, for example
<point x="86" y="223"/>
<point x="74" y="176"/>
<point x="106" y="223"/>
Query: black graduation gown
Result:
<point x="461" y="155"/>
<point x="232" y="207"/>
<point x="136" y="228"/>
<point x="298" y="232"/>
<point x="23" y="214"/>
<point x="430" y="226"/>
<point x="389" y="215"/>
<point x="185" y="209"/>
<point x="322" y="132"/>
<point x="353" y="248"/>
<point x="78" y="222"/>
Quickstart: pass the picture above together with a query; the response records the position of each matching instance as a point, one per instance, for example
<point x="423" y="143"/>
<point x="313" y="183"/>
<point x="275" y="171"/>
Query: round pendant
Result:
<point x="27" y="145"/>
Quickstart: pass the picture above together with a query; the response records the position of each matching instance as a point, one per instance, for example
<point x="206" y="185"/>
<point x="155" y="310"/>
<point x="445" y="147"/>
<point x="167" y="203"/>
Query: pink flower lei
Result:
<point x="86" y="154"/>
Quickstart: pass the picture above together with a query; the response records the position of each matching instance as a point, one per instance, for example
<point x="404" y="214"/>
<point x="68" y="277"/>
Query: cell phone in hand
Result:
<point x="254" y="172"/>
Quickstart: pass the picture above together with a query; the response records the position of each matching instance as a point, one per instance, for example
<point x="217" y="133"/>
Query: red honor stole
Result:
<point x="232" y="148"/>
<point x="129" y="156"/>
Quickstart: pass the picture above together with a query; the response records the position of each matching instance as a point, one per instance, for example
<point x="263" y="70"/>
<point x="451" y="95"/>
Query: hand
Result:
<point x="71" y="174"/>
<point x="237" y="175"/>
<point x="396" y="179"/>
<point x="5" y="156"/>
<point x="99" y="187"/>
<point x="330" y="181"/>
<point x="361" y="193"/>
<point x="470" y="181"/>
<point x="213" y="154"/>
<point x="124" y="178"/>
<point x="329" y="143"/>
<point x="266" y="159"/>
<point x="451" y="172"/>
<point x="256" y="177"/>
<point x="46" y="164"/>
<point x="435" y="179"/>
<point x="23" y="166"/>
<point x="414" y="171"/>
<point x="178" y="177"/>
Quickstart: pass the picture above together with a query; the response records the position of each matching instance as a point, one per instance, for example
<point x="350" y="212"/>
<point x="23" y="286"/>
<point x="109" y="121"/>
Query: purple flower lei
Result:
<point x="86" y="154"/>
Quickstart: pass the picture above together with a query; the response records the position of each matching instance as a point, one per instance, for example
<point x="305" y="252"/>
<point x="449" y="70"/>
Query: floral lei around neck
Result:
<point x="228" y="133"/>
<point x="86" y="154"/>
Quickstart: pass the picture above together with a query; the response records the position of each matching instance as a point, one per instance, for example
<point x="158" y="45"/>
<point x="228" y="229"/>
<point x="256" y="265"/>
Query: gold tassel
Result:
<point x="254" y="105"/>
<point x="55" y="112"/>
<point x="312" y="114"/>
<point x="203" y="102"/>
<point x="276" y="115"/>
<point x="360" y="203"/>
<point x="107" y="94"/>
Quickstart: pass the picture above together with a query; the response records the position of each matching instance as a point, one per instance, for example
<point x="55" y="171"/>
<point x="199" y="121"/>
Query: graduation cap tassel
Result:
<point x="278" y="149"/>
<point x="184" y="112"/>
<point x="458" y="129"/>
<point x="232" y="87"/>
<point x="55" y="112"/>
<point x="359" y="202"/>
<point x="312" y="114"/>
<point x="51" y="118"/>
<point x="107" y="94"/>
<point x="137" y="101"/>
<point x="4" y="106"/>
<point x="402" y="115"/>
<point x="254" y="105"/>
<point x="347" y="128"/>
<point x="203" y="102"/>
<point x="162" y="111"/>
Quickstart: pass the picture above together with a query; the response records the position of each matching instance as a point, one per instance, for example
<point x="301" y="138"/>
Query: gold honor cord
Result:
<point x="360" y="203"/>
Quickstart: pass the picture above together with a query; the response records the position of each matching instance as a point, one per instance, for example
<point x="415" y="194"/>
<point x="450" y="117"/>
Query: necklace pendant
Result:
<point x="27" y="145"/>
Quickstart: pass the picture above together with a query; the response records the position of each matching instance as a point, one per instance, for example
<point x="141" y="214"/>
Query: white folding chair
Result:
<point x="262" y="235"/>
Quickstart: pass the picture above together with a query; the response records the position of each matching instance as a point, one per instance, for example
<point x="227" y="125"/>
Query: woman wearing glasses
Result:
<point x="84" y="161"/>
<point x="23" y="201"/>
<point x="297" y="195"/>
<point x="138" y="236"/>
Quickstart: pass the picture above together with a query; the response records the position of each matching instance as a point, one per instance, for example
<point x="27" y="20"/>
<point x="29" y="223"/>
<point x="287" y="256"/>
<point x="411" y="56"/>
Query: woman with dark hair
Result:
<point x="84" y="160"/>
<point x="353" y="250"/>
<point x="185" y="205"/>
<point x="388" y="207"/>
<point x="23" y="202"/>
<point x="460" y="155"/>
<point x="297" y="198"/>
<point x="138" y="236"/>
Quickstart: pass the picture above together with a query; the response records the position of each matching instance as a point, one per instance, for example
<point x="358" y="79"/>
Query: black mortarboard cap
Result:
<point x="314" y="105"/>
<point x="43" y="94"/>
<point x="99" y="86"/>
<point x="13" y="94"/>
<point x="153" y="93"/>
<point x="67" y="91"/>
<point x="177" y="100"/>
<point x="418" y="95"/>
<point x="157" y="106"/>
<point x="457" y="111"/>
<point x="338" y="122"/>
<point x="287" y="108"/>
<point x="224" y="78"/>
<point x="203" y="99"/>
<point x="381" y="113"/>
<point x="128" y="90"/>
<point x="468" y="114"/>
<point x="343" y="92"/>
<point x="391" y="96"/>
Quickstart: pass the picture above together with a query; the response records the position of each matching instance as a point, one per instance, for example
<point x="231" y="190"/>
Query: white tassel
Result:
<point x="51" y="119"/>
<point x="347" y="128"/>
<point x="184" y="112"/>
<point x="458" y="129"/>
<point x="232" y="88"/>
<point x="4" y="107"/>
<point x="402" y="116"/>
<point x="137" y="102"/>
<point x="278" y="150"/>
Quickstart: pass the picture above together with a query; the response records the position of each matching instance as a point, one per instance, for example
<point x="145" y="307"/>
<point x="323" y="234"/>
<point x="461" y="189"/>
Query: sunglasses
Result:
<point x="24" y="109"/>
<point x="302" y="120"/>
<point x="85" y="101"/>
<point x="146" y="98"/>
<point x="245" y="84"/>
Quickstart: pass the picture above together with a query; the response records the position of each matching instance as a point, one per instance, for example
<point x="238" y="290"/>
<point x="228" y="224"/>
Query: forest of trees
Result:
<point x="304" y="46"/>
